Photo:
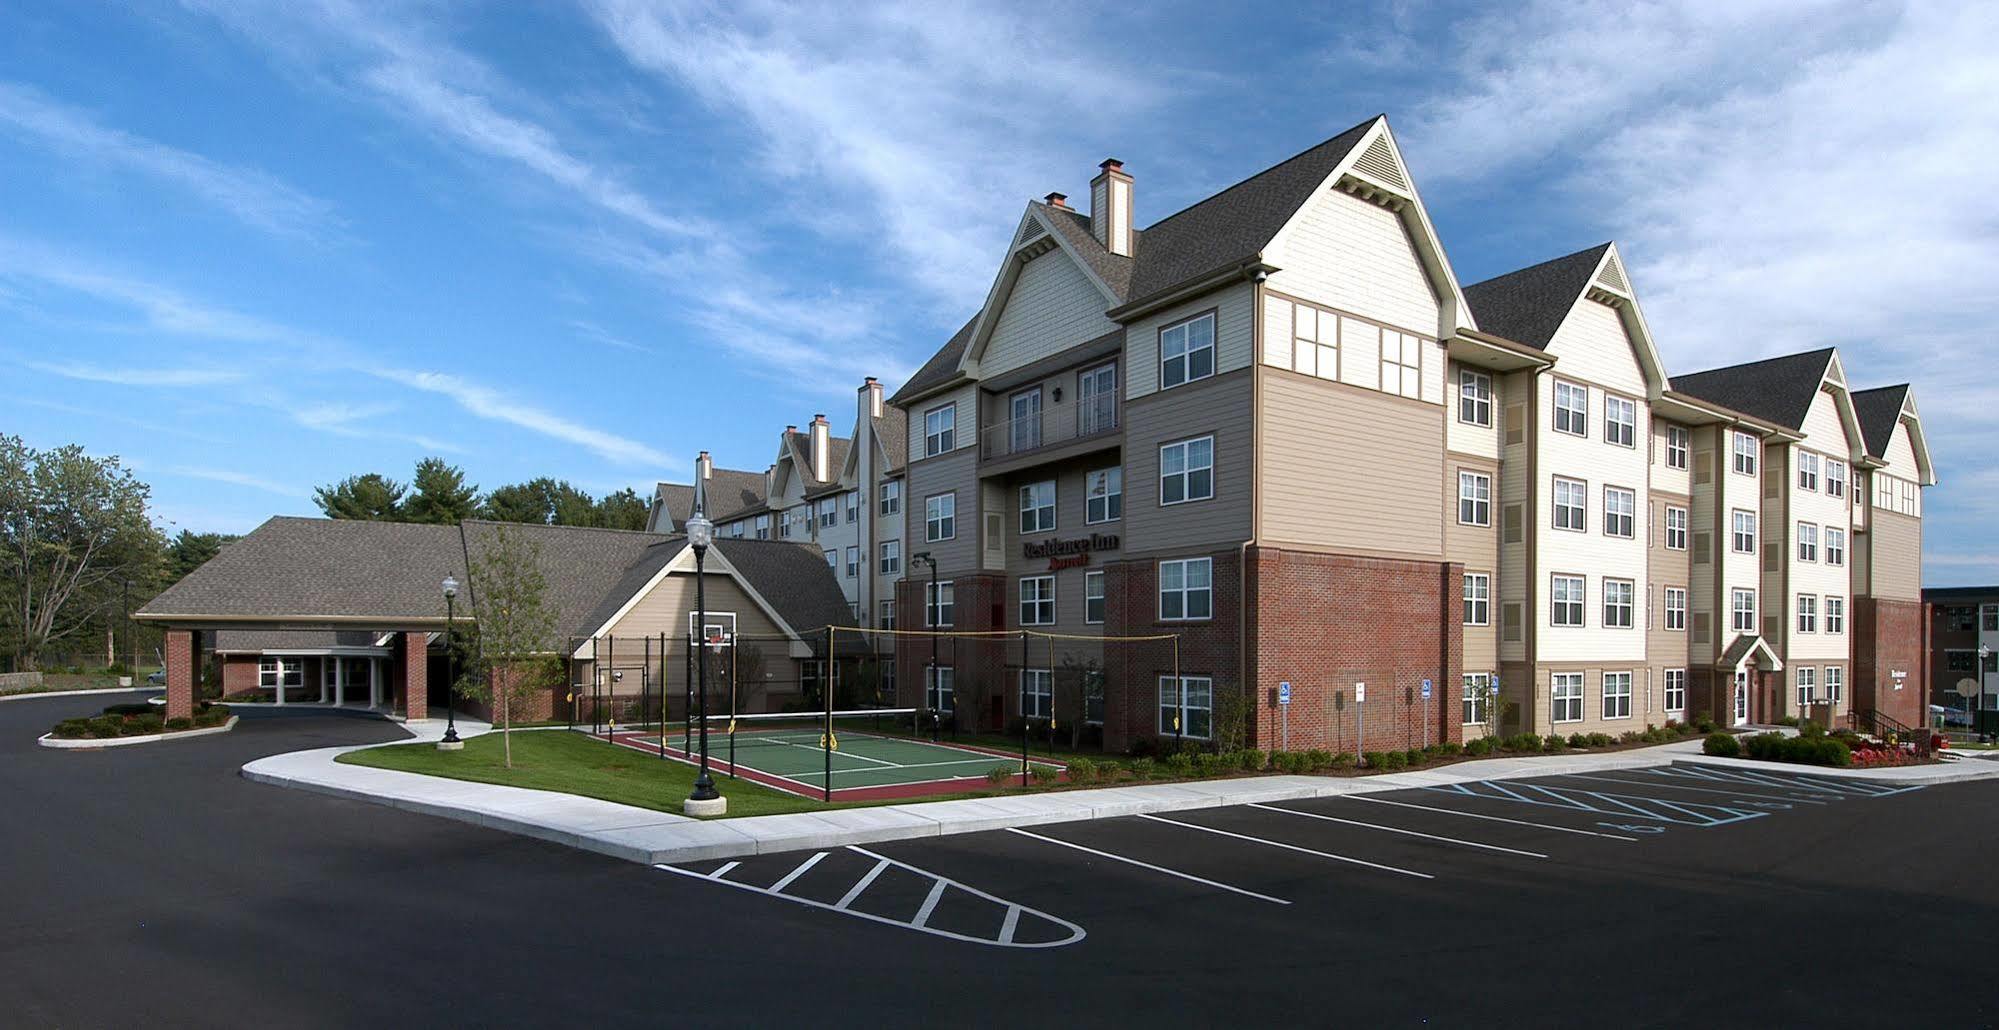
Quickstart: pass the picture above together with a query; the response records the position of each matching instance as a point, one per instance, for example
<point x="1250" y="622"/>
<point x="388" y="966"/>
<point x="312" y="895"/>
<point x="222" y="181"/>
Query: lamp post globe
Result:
<point x="701" y="536"/>
<point x="450" y="741"/>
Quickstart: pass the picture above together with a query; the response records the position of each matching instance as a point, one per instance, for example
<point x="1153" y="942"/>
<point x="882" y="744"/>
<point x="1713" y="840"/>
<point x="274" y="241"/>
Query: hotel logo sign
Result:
<point x="1071" y="553"/>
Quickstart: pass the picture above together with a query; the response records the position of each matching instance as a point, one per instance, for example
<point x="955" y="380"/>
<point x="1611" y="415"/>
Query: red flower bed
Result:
<point x="1871" y="754"/>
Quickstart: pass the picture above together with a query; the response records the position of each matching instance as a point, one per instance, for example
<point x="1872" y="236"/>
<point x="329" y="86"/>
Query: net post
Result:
<point x="662" y="695"/>
<point x="732" y="709"/>
<point x="1025" y="640"/>
<point x="687" y="702"/>
<point x="1179" y="699"/>
<point x="826" y="690"/>
<point x="645" y="676"/>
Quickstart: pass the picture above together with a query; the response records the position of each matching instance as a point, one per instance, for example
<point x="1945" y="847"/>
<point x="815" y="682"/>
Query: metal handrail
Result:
<point x="1056" y="423"/>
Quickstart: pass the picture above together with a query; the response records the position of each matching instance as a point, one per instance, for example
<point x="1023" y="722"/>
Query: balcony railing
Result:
<point x="1049" y="425"/>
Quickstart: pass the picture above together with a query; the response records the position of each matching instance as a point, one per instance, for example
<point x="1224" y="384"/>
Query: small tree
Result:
<point x="517" y="639"/>
<point x="1494" y="707"/>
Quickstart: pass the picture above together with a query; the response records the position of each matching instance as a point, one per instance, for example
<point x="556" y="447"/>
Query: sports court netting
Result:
<point x="870" y="754"/>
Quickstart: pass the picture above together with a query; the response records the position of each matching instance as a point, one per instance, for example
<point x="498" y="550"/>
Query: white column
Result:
<point x="374" y="683"/>
<point x="322" y="678"/>
<point x="281" y="683"/>
<point x="339" y="681"/>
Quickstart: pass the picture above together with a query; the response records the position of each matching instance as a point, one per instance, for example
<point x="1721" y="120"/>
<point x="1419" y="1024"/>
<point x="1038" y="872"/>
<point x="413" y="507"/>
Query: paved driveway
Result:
<point x="154" y="885"/>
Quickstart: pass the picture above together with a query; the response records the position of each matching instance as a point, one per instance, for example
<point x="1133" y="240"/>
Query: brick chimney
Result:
<point x="1110" y="207"/>
<point x="822" y="449"/>
<point x="871" y="398"/>
<point x="1060" y="200"/>
<point x="704" y="467"/>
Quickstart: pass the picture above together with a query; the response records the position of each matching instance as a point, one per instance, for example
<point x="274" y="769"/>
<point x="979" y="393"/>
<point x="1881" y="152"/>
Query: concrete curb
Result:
<point x="1960" y="771"/>
<point x="96" y="743"/>
<point x="75" y="693"/>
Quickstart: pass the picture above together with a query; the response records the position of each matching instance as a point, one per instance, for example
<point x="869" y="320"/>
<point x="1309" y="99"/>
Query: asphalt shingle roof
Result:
<point x="1113" y="269"/>
<point x="1528" y="305"/>
<point x="260" y="641"/>
<point x="940" y="369"/>
<point x="892" y="429"/>
<point x="1878" y="410"/>
<point x="730" y="491"/>
<point x="1778" y="390"/>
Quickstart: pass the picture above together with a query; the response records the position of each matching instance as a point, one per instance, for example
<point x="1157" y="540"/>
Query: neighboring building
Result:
<point x="1963" y="644"/>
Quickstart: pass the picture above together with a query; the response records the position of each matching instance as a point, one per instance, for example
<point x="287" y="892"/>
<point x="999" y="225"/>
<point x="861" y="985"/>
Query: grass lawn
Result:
<point x="572" y="763"/>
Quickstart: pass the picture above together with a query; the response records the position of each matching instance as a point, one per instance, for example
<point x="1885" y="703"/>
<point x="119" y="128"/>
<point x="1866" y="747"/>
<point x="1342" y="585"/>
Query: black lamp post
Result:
<point x="705" y="800"/>
<point x="930" y="684"/>
<point x="450" y="741"/>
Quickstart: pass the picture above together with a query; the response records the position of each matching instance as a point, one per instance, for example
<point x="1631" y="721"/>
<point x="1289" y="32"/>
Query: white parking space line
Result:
<point x="779" y="886"/>
<point x="1290" y="847"/>
<point x="723" y="871"/>
<point x="862" y="884"/>
<point x="1398" y="829"/>
<point x="1147" y="865"/>
<point x="1703" y="790"/>
<point x="1489" y="818"/>
<point x="930" y="905"/>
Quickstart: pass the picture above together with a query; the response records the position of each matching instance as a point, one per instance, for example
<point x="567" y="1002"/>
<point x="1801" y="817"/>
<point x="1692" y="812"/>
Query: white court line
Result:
<point x="1704" y="790"/>
<point x="779" y="886"/>
<point x="1148" y="865"/>
<point x="861" y="885"/>
<point x="723" y="871"/>
<point x="1289" y="847"/>
<point x="930" y="905"/>
<point x="1008" y="927"/>
<point x="1489" y="818"/>
<point x="1397" y="829"/>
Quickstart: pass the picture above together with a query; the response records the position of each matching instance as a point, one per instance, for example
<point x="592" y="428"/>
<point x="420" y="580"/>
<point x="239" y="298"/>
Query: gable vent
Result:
<point x="1033" y="230"/>
<point x="1378" y="162"/>
<point x="1612" y="277"/>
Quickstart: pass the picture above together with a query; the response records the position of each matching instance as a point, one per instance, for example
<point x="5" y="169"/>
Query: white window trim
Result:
<point x="950" y="409"/>
<point x="1095" y="576"/>
<point x="1044" y="580"/>
<point x="1185" y="591"/>
<point x="1479" y="505"/>
<point x="1480" y="385"/>
<point x="1478" y="600"/>
<point x="1627" y="519"/>
<point x="1554" y="699"/>
<point x="929" y="534"/>
<point x="1556" y="506"/>
<point x="1685" y="437"/>
<point x="1630" y="606"/>
<point x="1685" y="522"/>
<point x="1580" y="601"/>
<point x="1106" y="497"/>
<point x="1187" y="470"/>
<point x="1604" y="695"/>
<point x="1187" y="356"/>
<point x="1181" y="707"/>
<point x="1038" y="509"/>
<point x="1670" y="709"/>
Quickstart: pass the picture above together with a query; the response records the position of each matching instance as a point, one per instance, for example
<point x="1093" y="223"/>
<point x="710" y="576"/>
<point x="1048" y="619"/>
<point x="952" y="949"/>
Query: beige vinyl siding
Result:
<point x="665" y="609"/>
<point x="1826" y="438"/>
<point x="1235" y="313"/>
<point x="1218" y="406"/>
<point x="1895" y="559"/>
<point x="1350" y="470"/>
<point x="955" y="471"/>
<point x="1464" y="437"/>
<point x="1511" y="586"/>
<point x="1672" y="480"/>
<point x="1901" y="456"/>
<point x="1352" y="255"/>
<point x="1824" y="432"/>
<point x="1591" y="345"/>
<point x="1704" y="522"/>
<point x="1477" y="549"/>
<point x="1052" y="306"/>
<point x="1665" y="568"/>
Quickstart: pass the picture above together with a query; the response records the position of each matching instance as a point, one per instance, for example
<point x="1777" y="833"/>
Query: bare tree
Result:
<point x="517" y="640"/>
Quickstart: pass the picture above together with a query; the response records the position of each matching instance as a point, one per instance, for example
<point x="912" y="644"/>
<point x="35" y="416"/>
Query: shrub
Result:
<point x="1043" y="775"/>
<point x="999" y="774"/>
<point x="1481" y="746"/>
<point x="1704" y="725"/>
<point x="1299" y="762"/>
<point x="1811" y="729"/>
<point x="1578" y="740"/>
<point x="140" y="708"/>
<point x="1392" y="760"/>
<point x="1180" y="764"/>
<point x="1082" y="770"/>
<point x="1450" y="750"/>
<point x="1251" y="760"/>
<point x="103" y="726"/>
<point x="70" y="729"/>
<point x="1523" y="742"/>
<point x="176" y="725"/>
<point x="1318" y="760"/>
<point x="1600" y="740"/>
<point x="1142" y="768"/>
<point x="1343" y="760"/>
<point x="1555" y="742"/>
<point x="1721" y="745"/>
<point x="1372" y="760"/>
<point x="1787" y="720"/>
<point x="1210" y="763"/>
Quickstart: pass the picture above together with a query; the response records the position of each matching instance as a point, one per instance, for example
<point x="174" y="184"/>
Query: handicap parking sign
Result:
<point x="1426" y="690"/>
<point x="1284" y="693"/>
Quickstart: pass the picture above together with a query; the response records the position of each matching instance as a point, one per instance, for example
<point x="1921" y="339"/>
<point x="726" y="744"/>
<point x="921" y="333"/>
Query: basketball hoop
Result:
<point x="717" y="640"/>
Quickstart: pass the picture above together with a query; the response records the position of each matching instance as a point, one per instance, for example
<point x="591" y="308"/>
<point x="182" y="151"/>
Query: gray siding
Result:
<point x="957" y="471"/>
<point x="1218" y="406"/>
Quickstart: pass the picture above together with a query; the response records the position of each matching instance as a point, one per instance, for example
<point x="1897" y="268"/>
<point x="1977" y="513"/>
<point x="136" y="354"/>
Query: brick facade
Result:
<point x="1324" y="622"/>
<point x="1132" y="670"/>
<point x="1888" y="638"/>
<point x="413" y="676"/>
<point x="179" y="652"/>
<point x="982" y="676"/>
<point x="239" y="674"/>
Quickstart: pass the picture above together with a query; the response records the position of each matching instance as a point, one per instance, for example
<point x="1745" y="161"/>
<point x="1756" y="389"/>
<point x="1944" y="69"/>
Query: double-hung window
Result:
<point x="940" y="517"/>
<point x="1565" y="602"/>
<point x="1743" y="447"/>
<point x="829" y="512"/>
<point x="1037" y="507"/>
<point x="1186" y="708"/>
<point x="1478" y="599"/>
<point x="1103" y="493"/>
<point x="1617" y="695"/>
<point x="1037" y="600"/>
<point x="891" y="558"/>
<point x="940" y="430"/>
<point x="940" y="604"/>
<point x="1808" y="613"/>
<point x="885" y="615"/>
<point x="853" y="507"/>
<point x="1676" y="528"/>
<point x="1835" y="478"/>
<point x="1835" y="683"/>
<point x="1571" y="504"/>
<point x="1401" y="364"/>
<point x="1617" y="603"/>
<point x="1476" y="684"/>
<point x="1742" y="610"/>
<point x="1676" y="690"/>
<point x="1186" y="589"/>
<point x="1093" y="597"/>
<point x="891" y="498"/>
<point x="1808" y="541"/>
<point x="1474" y="398"/>
<point x="763" y="527"/>
<point x="1835" y="545"/>
<point x="1808" y="685"/>
<point x="1037" y="693"/>
<point x="1620" y="512"/>
<point x="938" y="693"/>
<point x="1565" y="691"/>
<point x="1187" y="470"/>
<point x="1678" y="441"/>
<point x="833" y="559"/>
<point x="1808" y="471"/>
<point x="1620" y="421"/>
<point x="1835" y="613"/>
<point x="853" y="561"/>
<point x="1187" y="351"/>
<point x="1743" y="540"/>
<point x="1676" y="608"/>
<point x="1474" y="499"/>
<point x="273" y="673"/>
<point x="1571" y="408"/>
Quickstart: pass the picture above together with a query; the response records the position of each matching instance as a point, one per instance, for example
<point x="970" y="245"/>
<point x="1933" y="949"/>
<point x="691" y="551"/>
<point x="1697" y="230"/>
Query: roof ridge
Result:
<point x="549" y="525"/>
<point x="1605" y="245"/>
<point x="1795" y="355"/>
<point x="1262" y="172"/>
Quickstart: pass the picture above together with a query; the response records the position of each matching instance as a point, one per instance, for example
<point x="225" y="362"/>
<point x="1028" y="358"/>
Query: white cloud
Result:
<point x="489" y="403"/>
<point x="139" y="376"/>
<point x="252" y="196"/>
<point x="218" y="475"/>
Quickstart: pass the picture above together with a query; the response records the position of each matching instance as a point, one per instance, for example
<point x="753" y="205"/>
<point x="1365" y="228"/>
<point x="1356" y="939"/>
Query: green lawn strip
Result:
<point x="572" y="763"/>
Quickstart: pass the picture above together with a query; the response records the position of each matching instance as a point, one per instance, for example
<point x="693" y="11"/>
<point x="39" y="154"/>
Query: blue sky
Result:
<point x="254" y="247"/>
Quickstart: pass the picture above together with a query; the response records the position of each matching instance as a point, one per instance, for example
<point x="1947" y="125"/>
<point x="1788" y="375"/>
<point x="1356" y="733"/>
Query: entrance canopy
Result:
<point x="1746" y="647"/>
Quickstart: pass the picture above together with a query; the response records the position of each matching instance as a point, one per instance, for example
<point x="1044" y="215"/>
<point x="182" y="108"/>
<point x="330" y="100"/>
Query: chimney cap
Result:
<point x="704" y="454"/>
<point x="870" y="380"/>
<point x="819" y="419"/>
<point x="1112" y="164"/>
<point x="1058" y="200"/>
<point x="791" y="429"/>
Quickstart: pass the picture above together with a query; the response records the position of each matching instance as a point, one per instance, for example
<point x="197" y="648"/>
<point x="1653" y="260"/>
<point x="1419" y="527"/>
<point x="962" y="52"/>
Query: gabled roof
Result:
<point x="1743" y="647"/>
<point x="1113" y="269"/>
<point x="1527" y="306"/>
<point x="798" y="445"/>
<point x="730" y="492"/>
<point x="1879" y="409"/>
<point x="1778" y="390"/>
<point x="1233" y="226"/>
<point x="891" y="429"/>
<point x="940" y="369"/>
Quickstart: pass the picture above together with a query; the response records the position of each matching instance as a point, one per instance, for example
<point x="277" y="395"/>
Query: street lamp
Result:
<point x="930" y="684"/>
<point x="705" y="800"/>
<point x="450" y="741"/>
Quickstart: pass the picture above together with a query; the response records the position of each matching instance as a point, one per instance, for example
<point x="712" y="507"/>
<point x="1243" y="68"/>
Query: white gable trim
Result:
<point x="1633" y="316"/>
<point x="1453" y="313"/>
<point x="1002" y="288"/>
<point x="1834" y="382"/>
<point x="684" y="562"/>
<point x="1912" y="422"/>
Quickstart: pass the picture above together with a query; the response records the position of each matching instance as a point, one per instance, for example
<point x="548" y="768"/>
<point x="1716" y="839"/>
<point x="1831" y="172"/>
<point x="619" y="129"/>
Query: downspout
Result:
<point x="1243" y="599"/>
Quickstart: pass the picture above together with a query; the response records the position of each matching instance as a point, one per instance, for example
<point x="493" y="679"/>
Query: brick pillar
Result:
<point x="180" y="673"/>
<point x="416" y="677"/>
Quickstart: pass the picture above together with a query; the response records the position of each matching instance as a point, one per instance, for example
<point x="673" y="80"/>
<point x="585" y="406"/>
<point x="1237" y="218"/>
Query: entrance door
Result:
<point x="1740" y="714"/>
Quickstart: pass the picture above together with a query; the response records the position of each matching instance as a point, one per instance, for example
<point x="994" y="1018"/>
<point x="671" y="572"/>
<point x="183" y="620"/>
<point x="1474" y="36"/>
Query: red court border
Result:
<point x="648" y="743"/>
